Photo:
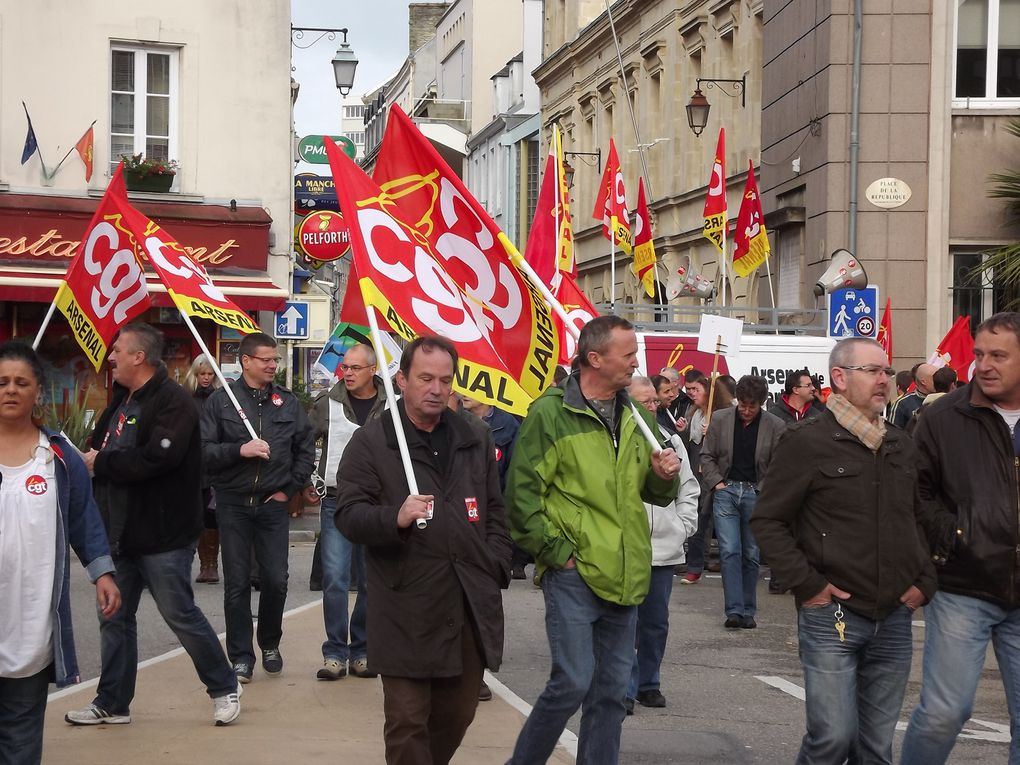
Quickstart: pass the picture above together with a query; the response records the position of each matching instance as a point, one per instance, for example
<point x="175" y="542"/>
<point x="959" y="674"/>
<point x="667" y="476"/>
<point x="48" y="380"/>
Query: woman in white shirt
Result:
<point x="45" y="504"/>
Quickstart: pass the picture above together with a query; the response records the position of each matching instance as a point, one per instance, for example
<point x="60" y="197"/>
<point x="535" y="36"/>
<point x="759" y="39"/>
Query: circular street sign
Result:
<point x="311" y="148"/>
<point x="323" y="236"/>
<point x="865" y="326"/>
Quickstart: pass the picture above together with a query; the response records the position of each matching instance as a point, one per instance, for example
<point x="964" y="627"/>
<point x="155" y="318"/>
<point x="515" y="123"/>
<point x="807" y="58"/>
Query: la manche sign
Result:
<point x="311" y="148"/>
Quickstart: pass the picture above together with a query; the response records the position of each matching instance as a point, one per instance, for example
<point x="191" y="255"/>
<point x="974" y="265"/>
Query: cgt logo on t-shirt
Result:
<point x="36" y="484"/>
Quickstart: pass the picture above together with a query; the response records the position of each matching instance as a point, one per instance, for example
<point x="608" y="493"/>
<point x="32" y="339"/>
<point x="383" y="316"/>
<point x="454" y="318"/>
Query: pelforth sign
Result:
<point x="311" y="149"/>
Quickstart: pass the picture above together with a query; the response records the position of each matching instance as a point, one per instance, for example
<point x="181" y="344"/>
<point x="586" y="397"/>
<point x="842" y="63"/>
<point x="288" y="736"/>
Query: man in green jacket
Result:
<point x="575" y="491"/>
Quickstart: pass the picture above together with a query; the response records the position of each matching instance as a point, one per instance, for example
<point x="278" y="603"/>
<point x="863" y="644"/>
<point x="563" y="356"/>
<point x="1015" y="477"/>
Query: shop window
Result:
<point x="143" y="103"/>
<point x="987" y="53"/>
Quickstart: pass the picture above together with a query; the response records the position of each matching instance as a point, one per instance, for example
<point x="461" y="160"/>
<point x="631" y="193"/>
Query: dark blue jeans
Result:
<point x="738" y="550"/>
<point x="652" y="631"/>
<point x="22" y="713"/>
<point x="266" y="528"/>
<point x="338" y="555"/>
<point x="592" y="645"/>
<point x="168" y="578"/>
<point x="853" y="689"/>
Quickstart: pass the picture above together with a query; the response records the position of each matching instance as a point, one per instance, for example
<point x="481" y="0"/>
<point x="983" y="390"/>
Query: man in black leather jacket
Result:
<point x="254" y="479"/>
<point x="970" y="460"/>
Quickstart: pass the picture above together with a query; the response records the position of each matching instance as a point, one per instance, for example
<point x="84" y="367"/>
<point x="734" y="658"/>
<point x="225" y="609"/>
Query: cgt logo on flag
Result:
<point x="36" y="485"/>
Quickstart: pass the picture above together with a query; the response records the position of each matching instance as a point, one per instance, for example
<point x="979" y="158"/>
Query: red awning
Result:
<point x="39" y="285"/>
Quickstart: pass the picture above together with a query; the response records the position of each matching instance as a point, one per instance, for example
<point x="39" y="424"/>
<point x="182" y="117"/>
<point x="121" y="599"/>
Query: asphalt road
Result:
<point x="731" y="695"/>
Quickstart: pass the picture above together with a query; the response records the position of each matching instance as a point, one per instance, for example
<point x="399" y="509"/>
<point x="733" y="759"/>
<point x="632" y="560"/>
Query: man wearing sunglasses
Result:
<point x="356" y="398"/>
<point x="838" y="521"/>
<point x="254" y="479"/>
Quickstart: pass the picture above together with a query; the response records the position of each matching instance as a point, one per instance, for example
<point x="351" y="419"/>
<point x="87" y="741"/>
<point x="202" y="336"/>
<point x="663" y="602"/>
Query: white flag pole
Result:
<point x="391" y="404"/>
<point x="45" y="323"/>
<point x="219" y="374"/>
<point x="612" y="270"/>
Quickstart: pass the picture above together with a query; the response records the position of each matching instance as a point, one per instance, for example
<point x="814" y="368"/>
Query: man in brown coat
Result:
<point x="436" y="620"/>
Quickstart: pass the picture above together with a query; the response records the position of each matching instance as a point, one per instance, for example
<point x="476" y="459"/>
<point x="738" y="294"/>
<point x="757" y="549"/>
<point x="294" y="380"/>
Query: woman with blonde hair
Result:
<point x="200" y="382"/>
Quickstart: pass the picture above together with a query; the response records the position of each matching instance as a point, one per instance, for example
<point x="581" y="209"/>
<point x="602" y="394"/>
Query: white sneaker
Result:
<point x="93" y="715"/>
<point x="227" y="708"/>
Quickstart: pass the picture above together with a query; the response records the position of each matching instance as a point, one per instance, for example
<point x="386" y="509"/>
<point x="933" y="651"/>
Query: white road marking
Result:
<point x="997" y="732"/>
<point x="568" y="740"/>
<point x="163" y="657"/>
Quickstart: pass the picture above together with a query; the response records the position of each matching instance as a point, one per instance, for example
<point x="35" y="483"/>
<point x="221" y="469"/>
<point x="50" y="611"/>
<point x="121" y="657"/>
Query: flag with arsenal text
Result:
<point x="885" y="330"/>
<point x="751" y="241"/>
<point x="431" y="261"/>
<point x="104" y="287"/>
<point x="715" y="200"/>
<point x="187" y="282"/>
<point x="956" y="350"/>
<point x="644" y="250"/>
<point x="611" y="203"/>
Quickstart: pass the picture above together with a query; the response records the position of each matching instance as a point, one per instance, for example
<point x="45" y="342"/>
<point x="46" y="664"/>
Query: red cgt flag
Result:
<point x="715" y="200"/>
<point x="541" y="249"/>
<point x="476" y="257"/>
<point x="611" y="203"/>
<point x="956" y="350"/>
<point x="751" y="241"/>
<point x="412" y="284"/>
<point x="104" y="287"/>
<point x="579" y="311"/>
<point x="885" y="330"/>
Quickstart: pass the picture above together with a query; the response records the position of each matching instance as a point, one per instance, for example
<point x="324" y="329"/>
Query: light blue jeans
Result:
<point x="337" y="555"/>
<point x="738" y="550"/>
<point x="853" y="688"/>
<point x="592" y="645"/>
<point x="956" y="634"/>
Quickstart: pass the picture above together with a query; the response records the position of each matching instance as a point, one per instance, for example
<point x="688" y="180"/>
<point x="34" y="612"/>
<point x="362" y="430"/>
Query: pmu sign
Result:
<point x="311" y="148"/>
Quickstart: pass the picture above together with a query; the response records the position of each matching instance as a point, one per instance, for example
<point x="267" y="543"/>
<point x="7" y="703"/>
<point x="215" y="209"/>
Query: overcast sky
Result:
<point x="378" y="36"/>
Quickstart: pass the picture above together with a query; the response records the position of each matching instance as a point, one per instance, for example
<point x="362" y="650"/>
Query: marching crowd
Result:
<point x="864" y="507"/>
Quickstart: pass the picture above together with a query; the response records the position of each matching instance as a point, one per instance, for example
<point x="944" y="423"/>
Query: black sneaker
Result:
<point x="484" y="692"/>
<point x="272" y="661"/>
<point x="518" y="572"/>
<point x="652" y="698"/>
<point x="628" y="704"/>
<point x="243" y="672"/>
<point x="748" y="623"/>
<point x="733" y="622"/>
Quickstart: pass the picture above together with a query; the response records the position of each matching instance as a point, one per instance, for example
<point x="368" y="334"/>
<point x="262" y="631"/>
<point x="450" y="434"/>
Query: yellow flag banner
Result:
<point x="644" y="250"/>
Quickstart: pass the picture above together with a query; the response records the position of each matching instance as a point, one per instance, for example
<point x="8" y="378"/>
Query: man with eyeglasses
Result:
<point x="357" y="397"/>
<point x="970" y="461"/>
<point x="838" y="522"/>
<point x="797" y="400"/>
<point x="254" y="479"/>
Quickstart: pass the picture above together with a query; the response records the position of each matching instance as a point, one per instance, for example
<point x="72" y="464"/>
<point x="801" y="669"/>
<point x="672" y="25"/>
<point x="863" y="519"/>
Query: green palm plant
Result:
<point x="73" y="419"/>
<point x="1003" y="264"/>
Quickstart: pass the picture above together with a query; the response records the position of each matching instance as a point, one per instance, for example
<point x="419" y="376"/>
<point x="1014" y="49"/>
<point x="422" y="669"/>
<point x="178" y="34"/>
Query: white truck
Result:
<point x="771" y="356"/>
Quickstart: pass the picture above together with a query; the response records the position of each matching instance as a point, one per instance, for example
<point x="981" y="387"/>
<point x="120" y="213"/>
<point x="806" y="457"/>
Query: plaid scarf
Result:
<point x="850" y="417"/>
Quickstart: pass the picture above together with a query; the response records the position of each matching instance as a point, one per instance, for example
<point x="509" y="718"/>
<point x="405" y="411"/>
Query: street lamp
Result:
<point x="344" y="61"/>
<point x="568" y="171"/>
<point x="699" y="107"/>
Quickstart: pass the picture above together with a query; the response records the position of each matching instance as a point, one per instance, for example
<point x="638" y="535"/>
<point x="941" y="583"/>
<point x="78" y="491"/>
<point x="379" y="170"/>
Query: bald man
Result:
<point x="906" y="406"/>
